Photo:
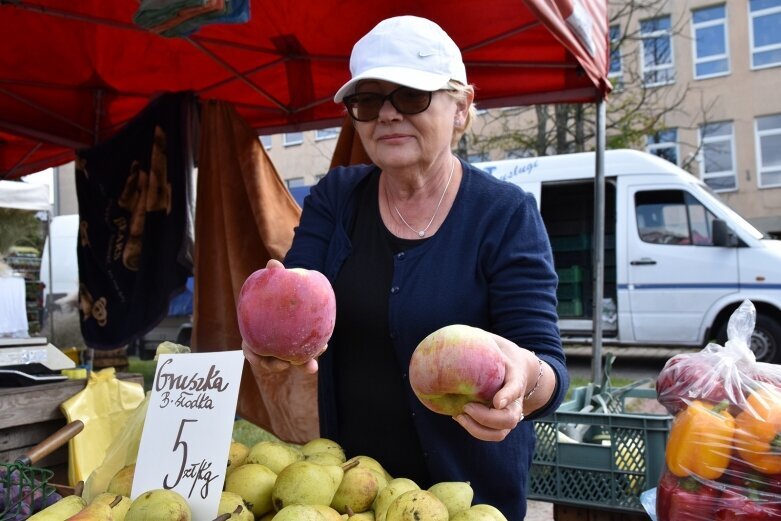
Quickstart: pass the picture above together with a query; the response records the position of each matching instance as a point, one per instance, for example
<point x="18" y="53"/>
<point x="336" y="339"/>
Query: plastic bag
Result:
<point x="123" y="450"/>
<point x="723" y="456"/>
<point x="103" y="405"/>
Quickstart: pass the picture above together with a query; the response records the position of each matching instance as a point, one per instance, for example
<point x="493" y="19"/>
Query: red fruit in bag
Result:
<point x="698" y="376"/>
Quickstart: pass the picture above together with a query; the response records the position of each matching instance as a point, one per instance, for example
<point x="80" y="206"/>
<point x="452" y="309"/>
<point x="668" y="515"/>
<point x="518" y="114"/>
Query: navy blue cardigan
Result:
<point x="489" y="266"/>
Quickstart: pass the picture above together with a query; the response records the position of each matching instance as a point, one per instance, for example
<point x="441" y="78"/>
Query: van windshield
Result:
<point x="734" y="216"/>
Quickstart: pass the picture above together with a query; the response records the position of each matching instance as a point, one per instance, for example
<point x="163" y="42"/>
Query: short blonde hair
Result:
<point x="459" y="91"/>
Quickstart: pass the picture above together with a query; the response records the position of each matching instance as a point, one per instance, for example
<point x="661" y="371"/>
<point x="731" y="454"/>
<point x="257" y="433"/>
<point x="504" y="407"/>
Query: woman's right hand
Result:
<point x="270" y="364"/>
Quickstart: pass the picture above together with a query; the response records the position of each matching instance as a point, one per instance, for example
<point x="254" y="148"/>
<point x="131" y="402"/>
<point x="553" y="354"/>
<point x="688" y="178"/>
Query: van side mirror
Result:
<point x="723" y="234"/>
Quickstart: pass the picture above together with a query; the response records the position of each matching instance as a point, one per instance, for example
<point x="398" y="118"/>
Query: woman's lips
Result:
<point x="393" y="137"/>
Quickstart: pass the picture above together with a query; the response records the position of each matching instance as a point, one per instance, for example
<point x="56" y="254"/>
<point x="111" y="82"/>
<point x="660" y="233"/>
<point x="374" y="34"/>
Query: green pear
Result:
<point x="323" y="446"/>
<point x="159" y="505"/>
<point x="233" y="504"/>
<point x="276" y="455"/>
<point x="387" y="495"/>
<point x="324" y="458"/>
<point x="118" y="508"/>
<point x="299" y="513"/>
<point x="306" y="483"/>
<point x="456" y="495"/>
<point x="417" y="505"/>
<point x="267" y="517"/>
<point x="368" y="461"/>
<point x="470" y="514"/>
<point x="121" y="483"/>
<point x="363" y="516"/>
<point x="94" y="512"/>
<point x="489" y="509"/>
<point x="253" y="482"/>
<point x="236" y="455"/>
<point x="328" y="513"/>
<point x="62" y="509"/>
<point x="357" y="490"/>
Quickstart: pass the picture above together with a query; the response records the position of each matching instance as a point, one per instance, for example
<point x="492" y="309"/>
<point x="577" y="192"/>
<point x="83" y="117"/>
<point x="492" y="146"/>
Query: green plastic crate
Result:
<point x="570" y="308"/>
<point x="569" y="290"/>
<point x="578" y="242"/>
<point x="570" y="274"/>
<point x="591" y="474"/>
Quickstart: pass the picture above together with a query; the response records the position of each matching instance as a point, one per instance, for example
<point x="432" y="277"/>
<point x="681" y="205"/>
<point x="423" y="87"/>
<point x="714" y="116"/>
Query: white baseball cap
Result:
<point x="407" y="50"/>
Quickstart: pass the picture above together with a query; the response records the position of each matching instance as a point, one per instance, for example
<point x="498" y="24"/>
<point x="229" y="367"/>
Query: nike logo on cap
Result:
<point x="425" y="54"/>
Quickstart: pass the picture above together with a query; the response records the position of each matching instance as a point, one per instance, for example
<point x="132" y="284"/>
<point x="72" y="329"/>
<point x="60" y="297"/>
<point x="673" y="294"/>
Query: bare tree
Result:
<point x="635" y="110"/>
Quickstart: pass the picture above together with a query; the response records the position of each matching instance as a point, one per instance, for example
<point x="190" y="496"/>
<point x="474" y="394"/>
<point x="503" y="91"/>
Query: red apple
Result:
<point x="287" y="313"/>
<point x="455" y="365"/>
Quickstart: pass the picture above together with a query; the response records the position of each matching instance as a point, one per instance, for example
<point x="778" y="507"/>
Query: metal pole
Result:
<point x="598" y="264"/>
<point x="49" y="301"/>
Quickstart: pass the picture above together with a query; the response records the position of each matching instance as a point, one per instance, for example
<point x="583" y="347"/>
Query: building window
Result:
<point x="711" y="54"/>
<point x="293" y="138"/>
<point x="266" y="140"/>
<point x="327" y="133"/>
<point x="657" y="51"/>
<point x="295" y="182"/>
<point x="717" y="165"/>
<point x="615" y="71"/>
<point x="764" y="32"/>
<point x="768" y="142"/>
<point x="664" y="144"/>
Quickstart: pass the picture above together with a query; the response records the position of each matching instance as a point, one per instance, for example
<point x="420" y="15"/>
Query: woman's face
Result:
<point x="396" y="140"/>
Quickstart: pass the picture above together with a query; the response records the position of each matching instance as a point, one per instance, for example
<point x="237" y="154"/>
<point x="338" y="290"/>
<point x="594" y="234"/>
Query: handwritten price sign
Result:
<point x="188" y="428"/>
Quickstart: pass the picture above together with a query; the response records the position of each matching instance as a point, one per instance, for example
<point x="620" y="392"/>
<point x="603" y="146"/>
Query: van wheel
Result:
<point x="765" y="340"/>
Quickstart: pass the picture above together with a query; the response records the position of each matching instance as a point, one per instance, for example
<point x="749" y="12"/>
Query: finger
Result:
<point x="479" y="431"/>
<point x="497" y="419"/>
<point x="274" y="264"/>
<point x="309" y="367"/>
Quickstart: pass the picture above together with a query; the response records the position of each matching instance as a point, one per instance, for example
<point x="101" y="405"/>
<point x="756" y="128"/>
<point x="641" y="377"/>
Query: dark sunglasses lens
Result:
<point x="410" y="101"/>
<point x="364" y="106"/>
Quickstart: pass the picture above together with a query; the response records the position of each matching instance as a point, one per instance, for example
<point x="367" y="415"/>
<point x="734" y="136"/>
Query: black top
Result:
<point x="373" y="420"/>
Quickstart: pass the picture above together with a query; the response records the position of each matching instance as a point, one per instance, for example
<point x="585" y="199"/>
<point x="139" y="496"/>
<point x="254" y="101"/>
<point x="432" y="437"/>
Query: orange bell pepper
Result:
<point x="758" y="435"/>
<point x="700" y="440"/>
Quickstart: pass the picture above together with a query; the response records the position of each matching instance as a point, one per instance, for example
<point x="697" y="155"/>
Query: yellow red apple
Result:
<point x="286" y="313"/>
<point x="455" y="365"/>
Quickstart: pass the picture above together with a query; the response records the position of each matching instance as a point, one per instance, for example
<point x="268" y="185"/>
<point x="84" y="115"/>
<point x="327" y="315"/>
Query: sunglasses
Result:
<point x="365" y="106"/>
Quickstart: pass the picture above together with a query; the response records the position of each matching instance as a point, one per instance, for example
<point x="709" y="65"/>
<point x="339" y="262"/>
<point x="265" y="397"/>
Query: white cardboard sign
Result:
<point x="188" y="428"/>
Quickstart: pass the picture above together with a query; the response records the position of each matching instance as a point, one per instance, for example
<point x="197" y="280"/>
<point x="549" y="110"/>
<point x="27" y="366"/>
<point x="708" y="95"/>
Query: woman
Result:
<point x="416" y="241"/>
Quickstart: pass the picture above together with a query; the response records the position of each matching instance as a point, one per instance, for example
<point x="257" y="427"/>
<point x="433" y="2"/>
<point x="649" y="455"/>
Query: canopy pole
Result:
<point x="599" y="246"/>
<point x="50" y="300"/>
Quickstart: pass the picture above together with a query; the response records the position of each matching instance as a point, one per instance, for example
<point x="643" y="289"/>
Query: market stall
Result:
<point x="277" y="72"/>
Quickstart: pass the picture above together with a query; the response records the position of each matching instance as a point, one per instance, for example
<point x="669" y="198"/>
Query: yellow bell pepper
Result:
<point x="758" y="435"/>
<point x="700" y="440"/>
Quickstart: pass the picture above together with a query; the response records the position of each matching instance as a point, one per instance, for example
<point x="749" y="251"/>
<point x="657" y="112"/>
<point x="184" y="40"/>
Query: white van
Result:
<point x="677" y="260"/>
<point x="63" y="232"/>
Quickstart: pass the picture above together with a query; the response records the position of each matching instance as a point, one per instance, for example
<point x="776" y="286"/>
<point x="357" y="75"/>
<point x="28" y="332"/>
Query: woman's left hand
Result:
<point x="494" y="423"/>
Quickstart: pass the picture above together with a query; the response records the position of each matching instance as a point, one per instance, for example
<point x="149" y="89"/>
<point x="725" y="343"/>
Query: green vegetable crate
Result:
<point x="620" y="456"/>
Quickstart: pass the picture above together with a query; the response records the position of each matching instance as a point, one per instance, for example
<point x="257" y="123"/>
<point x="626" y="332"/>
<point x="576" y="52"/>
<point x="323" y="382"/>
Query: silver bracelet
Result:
<point x="537" y="383"/>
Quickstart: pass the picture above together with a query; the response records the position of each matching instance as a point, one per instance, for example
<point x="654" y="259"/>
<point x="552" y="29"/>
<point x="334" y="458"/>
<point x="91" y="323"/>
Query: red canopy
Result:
<point x="72" y="73"/>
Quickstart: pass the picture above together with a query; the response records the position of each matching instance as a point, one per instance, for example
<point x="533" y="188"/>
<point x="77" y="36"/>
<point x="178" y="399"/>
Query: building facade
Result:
<point x="707" y="75"/>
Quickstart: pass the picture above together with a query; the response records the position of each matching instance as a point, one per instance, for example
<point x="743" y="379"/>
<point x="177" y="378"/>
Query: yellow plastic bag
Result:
<point x="104" y="406"/>
<point x="123" y="450"/>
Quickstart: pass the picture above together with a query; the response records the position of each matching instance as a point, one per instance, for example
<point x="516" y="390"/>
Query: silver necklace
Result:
<point x="422" y="233"/>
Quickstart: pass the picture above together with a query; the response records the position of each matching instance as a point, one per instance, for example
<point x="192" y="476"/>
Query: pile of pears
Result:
<point x="316" y="482"/>
<point x="273" y="480"/>
<point x="115" y="504"/>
